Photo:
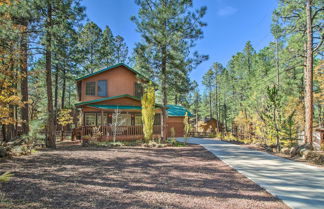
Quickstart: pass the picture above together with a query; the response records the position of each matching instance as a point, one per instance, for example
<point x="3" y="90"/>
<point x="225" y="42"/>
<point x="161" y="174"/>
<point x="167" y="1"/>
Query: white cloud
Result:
<point x="226" y="11"/>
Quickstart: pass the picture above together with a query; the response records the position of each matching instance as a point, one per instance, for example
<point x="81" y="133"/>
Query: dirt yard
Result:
<point x="77" y="177"/>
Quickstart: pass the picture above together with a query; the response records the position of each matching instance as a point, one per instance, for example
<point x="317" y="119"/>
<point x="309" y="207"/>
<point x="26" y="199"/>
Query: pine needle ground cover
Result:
<point x="129" y="177"/>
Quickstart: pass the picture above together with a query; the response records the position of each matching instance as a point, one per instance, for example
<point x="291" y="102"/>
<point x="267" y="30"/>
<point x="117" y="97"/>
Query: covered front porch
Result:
<point x="123" y="122"/>
<point x="116" y="117"/>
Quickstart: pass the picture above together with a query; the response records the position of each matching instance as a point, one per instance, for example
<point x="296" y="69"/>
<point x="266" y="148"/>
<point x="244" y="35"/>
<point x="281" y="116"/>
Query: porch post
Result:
<point x="82" y="118"/>
<point x="102" y="118"/>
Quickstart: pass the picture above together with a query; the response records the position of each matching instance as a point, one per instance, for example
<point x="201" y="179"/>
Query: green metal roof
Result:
<point x="107" y="98"/>
<point x="173" y="110"/>
<point x="110" y="98"/>
<point x="121" y="107"/>
<point x="109" y="68"/>
<point x="177" y="111"/>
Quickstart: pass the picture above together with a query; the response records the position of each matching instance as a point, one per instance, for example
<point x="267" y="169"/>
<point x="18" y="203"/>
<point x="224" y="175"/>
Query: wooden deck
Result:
<point x="106" y="133"/>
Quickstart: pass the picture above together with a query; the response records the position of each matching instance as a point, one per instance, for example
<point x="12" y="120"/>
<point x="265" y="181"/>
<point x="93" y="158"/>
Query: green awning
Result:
<point x="107" y="98"/>
<point x="177" y="111"/>
<point x="121" y="107"/>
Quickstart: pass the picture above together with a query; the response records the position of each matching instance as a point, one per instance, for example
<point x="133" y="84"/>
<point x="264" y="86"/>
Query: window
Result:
<point x="90" y="119"/>
<point x="138" y="120"/>
<point x="104" y="119"/>
<point x="102" y="88"/>
<point x="138" y="90"/>
<point x="91" y="88"/>
<point x="123" y="119"/>
<point x="157" y="119"/>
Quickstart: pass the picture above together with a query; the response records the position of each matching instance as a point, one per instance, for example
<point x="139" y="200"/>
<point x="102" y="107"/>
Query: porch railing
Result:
<point x="122" y="132"/>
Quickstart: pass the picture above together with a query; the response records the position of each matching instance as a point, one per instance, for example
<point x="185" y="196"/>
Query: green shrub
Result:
<point x="133" y="143"/>
<point x="106" y="144"/>
<point x="174" y="143"/>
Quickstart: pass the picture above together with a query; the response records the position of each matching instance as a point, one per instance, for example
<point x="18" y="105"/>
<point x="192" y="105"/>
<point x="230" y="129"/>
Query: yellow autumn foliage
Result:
<point x="295" y="104"/>
<point x="148" y="111"/>
<point x="9" y="75"/>
<point x="64" y="117"/>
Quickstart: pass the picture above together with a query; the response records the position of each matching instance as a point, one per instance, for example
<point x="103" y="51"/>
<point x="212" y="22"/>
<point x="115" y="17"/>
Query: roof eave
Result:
<point x="105" y="99"/>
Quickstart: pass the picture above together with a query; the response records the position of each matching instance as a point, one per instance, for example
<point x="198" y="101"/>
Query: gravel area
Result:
<point x="78" y="177"/>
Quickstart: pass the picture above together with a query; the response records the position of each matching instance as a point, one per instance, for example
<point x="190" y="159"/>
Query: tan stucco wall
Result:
<point x="119" y="81"/>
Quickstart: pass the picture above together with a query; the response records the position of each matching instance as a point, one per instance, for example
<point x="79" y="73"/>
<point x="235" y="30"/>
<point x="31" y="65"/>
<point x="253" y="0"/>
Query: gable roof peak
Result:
<point x="112" y="67"/>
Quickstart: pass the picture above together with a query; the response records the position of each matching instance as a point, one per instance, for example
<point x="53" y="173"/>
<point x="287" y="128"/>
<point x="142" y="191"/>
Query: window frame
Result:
<point x="91" y="113"/>
<point x="105" y="119"/>
<point x="87" y="90"/>
<point x="105" y="89"/>
<point x="138" y="116"/>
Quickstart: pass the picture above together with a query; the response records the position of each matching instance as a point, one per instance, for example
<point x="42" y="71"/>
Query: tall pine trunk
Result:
<point x="63" y="104"/>
<point x="216" y="103"/>
<point x="50" y="137"/>
<point x="210" y="104"/>
<point x="24" y="80"/>
<point x="56" y="89"/>
<point x="164" y="94"/>
<point x="309" y="108"/>
<point x="63" y="89"/>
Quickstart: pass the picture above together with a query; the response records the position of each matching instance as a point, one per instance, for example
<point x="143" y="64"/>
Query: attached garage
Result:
<point x="176" y="115"/>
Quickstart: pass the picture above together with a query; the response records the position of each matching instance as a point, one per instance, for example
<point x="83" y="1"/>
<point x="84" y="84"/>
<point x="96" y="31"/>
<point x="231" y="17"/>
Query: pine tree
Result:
<point x="89" y="47"/>
<point x="121" y="50"/>
<point x="13" y="67"/>
<point x="218" y="69"/>
<point x="297" y="19"/>
<point x="209" y="83"/>
<point x="54" y="17"/>
<point x="169" y="29"/>
<point x="107" y="48"/>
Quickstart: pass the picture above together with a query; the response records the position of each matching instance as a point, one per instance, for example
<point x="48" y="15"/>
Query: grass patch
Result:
<point x="156" y="143"/>
<point x="174" y="143"/>
<point x="115" y="144"/>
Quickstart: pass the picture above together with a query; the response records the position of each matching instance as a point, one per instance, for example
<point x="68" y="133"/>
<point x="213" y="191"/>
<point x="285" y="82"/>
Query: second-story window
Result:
<point x="138" y="90"/>
<point x="102" y="88"/>
<point x="91" y="88"/>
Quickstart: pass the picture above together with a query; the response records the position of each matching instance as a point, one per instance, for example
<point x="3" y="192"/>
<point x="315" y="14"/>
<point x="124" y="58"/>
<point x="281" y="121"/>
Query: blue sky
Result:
<point x="230" y="24"/>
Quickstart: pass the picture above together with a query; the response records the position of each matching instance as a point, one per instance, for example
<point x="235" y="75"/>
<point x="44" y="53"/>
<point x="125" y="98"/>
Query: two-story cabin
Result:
<point x="119" y="87"/>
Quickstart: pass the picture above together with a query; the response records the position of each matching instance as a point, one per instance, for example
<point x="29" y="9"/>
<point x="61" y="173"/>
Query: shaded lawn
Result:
<point x="78" y="177"/>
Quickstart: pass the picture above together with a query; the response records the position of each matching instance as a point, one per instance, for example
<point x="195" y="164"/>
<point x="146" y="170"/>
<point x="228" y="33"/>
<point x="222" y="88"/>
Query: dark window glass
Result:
<point x="138" y="90"/>
<point x="91" y="88"/>
<point x="157" y="119"/>
<point x="102" y="88"/>
<point x="109" y="118"/>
